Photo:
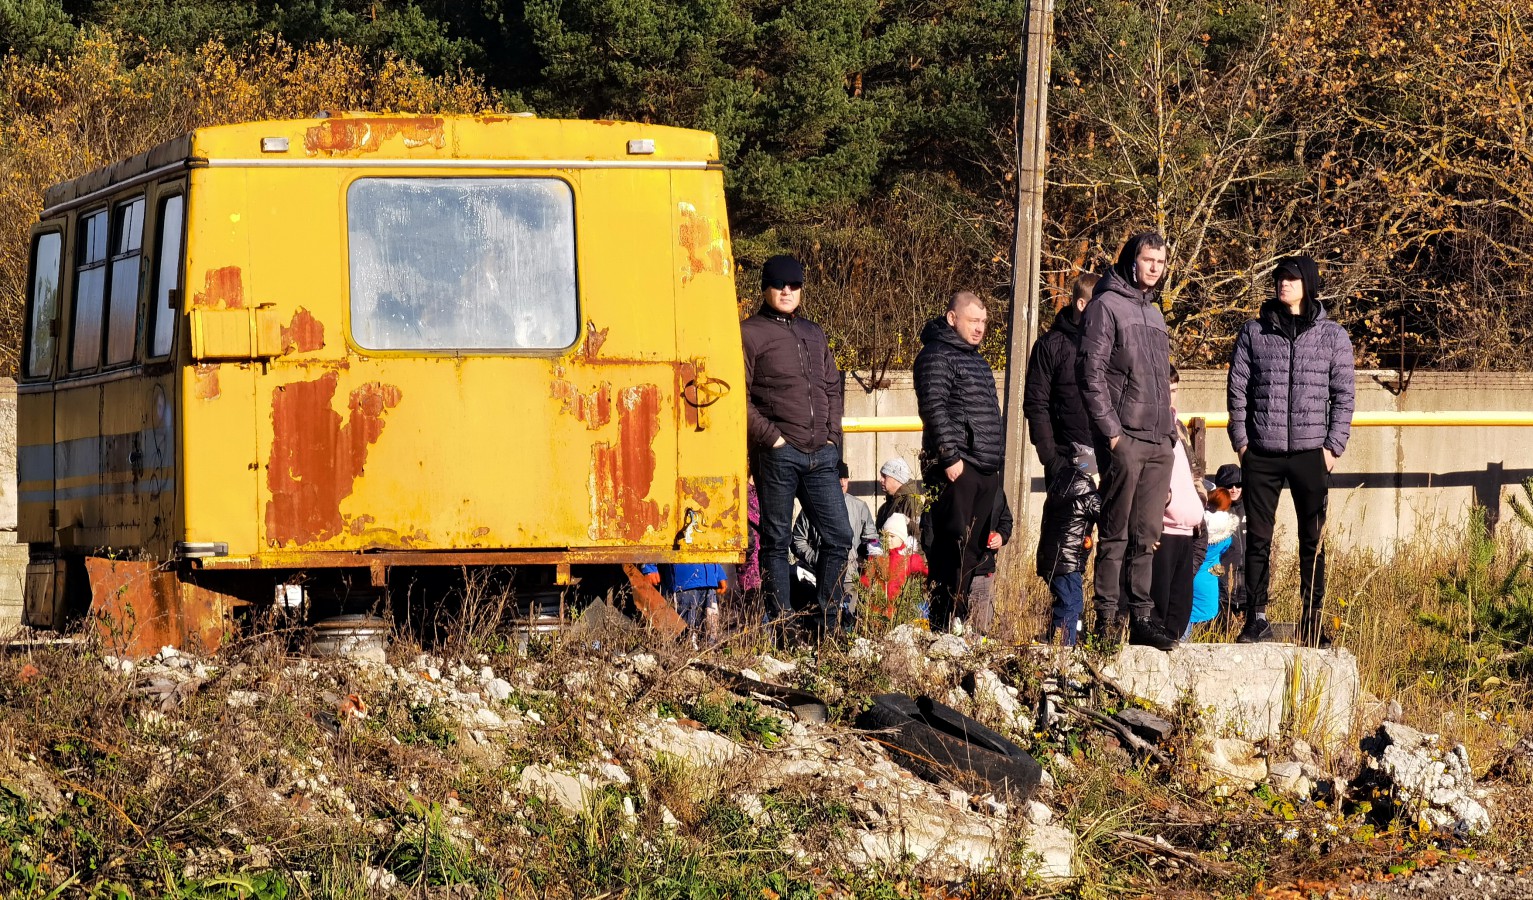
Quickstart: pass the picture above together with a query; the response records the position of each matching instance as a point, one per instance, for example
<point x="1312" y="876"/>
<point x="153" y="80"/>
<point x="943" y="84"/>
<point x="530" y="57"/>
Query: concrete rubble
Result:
<point x="1410" y="770"/>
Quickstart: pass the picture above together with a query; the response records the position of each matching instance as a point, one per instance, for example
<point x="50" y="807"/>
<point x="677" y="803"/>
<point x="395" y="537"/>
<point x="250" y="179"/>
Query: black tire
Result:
<point x="941" y="745"/>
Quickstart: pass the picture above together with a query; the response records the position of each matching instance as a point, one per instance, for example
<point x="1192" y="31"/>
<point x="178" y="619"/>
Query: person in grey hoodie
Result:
<point x="1125" y="376"/>
<point x="1290" y="399"/>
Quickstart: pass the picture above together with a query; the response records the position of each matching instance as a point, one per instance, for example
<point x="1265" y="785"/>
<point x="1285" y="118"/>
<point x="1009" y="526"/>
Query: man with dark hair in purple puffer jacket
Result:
<point x="1290" y="399"/>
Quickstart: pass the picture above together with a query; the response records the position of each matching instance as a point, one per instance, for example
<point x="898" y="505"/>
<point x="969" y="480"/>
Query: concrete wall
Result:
<point x="1392" y="483"/>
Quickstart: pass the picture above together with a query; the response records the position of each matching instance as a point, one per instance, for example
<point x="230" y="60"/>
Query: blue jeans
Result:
<point x="1069" y="603"/>
<point x="692" y="604"/>
<point x="786" y="472"/>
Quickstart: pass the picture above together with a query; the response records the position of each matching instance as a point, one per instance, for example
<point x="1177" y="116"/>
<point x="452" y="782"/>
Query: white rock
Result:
<point x="948" y="646"/>
<point x="863" y="650"/>
<point x="1232" y="761"/>
<point x="569" y="792"/>
<point x="775" y="668"/>
<point x="644" y="663"/>
<point x="614" y="773"/>
<point x="1055" y="849"/>
<point x="486" y="675"/>
<point x="752" y="674"/>
<point x="1289" y="778"/>
<point x="498" y="689"/>
<point x="990" y="691"/>
<point x="1037" y="813"/>
<point x="238" y="699"/>
<point x="488" y="718"/>
<point x="696" y="747"/>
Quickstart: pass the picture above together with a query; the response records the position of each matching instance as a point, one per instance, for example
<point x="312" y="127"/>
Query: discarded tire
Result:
<point x="940" y="743"/>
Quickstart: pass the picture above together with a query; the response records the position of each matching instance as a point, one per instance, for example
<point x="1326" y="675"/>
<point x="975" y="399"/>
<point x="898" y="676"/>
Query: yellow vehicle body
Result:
<point x="391" y="341"/>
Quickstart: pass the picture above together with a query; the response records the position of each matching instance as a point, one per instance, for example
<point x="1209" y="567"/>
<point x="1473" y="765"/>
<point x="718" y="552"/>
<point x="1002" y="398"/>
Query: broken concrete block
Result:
<point x="1290" y="778"/>
<point x="1233" y="762"/>
<point x="1055" y="848"/>
<point x="1249" y="690"/>
<point x="1146" y="724"/>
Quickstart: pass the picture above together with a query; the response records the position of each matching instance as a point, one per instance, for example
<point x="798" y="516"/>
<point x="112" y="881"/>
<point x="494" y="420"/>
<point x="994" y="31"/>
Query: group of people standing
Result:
<point x="1100" y="400"/>
<point x="1101" y="405"/>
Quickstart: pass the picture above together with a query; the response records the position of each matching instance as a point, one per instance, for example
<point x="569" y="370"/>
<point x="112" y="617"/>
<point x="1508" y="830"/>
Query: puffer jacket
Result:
<point x="956" y="396"/>
<point x="792" y="384"/>
<point x="1051" y="397"/>
<point x="1292" y="383"/>
<point x="1124" y="367"/>
<point x="1070" y="511"/>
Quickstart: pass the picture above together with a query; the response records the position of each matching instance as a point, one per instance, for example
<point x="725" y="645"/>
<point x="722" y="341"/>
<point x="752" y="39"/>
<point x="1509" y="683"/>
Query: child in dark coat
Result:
<point x="1070" y="512"/>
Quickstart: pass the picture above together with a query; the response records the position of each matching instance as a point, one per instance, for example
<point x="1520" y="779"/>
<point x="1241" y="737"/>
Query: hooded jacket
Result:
<point x="792" y="384"/>
<point x="956" y="395"/>
<point x="1124" y="367"/>
<point x="1292" y="384"/>
<point x="1051" y="396"/>
<point x="1070" y="511"/>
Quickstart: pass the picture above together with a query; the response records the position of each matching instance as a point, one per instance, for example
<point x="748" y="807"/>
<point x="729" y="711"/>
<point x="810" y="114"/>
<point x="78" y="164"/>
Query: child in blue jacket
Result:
<point x="692" y="587"/>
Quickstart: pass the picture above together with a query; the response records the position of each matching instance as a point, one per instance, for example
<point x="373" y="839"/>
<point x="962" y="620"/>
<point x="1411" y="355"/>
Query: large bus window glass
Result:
<point x="167" y="274"/>
<point x="90" y="291"/>
<point x="122" y="313"/>
<point x="462" y="263"/>
<point x="45" y="303"/>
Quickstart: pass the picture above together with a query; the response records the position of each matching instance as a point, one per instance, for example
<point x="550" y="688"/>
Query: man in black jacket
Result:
<point x="962" y="448"/>
<point x="1125" y="378"/>
<point x="793" y="415"/>
<point x="1060" y="431"/>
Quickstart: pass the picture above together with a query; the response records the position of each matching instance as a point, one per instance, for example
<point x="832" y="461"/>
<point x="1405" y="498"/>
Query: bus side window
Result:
<point x="42" y="339"/>
<point x="122" y="315"/>
<point x="90" y="292"/>
<point x="167" y="274"/>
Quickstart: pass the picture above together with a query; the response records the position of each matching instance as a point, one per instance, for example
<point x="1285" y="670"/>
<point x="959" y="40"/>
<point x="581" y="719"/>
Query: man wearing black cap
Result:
<point x="793" y="413"/>
<point x="1290" y="398"/>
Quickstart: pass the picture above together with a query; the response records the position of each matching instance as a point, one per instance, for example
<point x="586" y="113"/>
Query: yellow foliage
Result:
<point x="112" y="97"/>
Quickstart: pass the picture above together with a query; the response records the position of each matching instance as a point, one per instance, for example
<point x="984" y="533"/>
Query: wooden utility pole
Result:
<point x="1026" y="260"/>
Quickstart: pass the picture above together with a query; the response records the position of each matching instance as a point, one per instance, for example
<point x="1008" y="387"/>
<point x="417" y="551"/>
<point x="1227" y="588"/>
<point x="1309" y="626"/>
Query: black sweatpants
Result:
<point x="1171" y="582"/>
<point x="1305" y="475"/>
<point x="1135" y="485"/>
<point x="960" y="520"/>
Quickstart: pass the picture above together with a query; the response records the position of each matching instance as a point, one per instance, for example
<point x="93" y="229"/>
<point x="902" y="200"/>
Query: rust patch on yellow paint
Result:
<point x="622" y="475"/>
<point x="717" y="496"/>
<point x="703" y="240"/>
<point x="222" y="289"/>
<point x="205" y="382"/>
<point x="594" y="341"/>
<point x="686" y="373"/>
<point x="359" y="525"/>
<point x="316" y="458"/>
<point x="481" y="531"/>
<point x="366" y="135"/>
<point x="594" y="409"/>
<point x="304" y="334"/>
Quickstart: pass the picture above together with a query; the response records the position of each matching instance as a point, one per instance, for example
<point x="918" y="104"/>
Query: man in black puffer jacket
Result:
<point x="1125" y="382"/>
<point x="1291" y="393"/>
<point x="962" y="448"/>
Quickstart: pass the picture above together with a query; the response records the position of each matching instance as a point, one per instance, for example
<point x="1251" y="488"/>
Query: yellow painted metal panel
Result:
<point x="711" y="426"/>
<point x="218" y="413"/>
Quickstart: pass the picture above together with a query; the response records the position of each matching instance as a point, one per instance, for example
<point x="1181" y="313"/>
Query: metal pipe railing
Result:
<point x="1380" y="419"/>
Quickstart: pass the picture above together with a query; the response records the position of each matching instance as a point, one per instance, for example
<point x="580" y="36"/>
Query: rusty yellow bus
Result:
<point x="361" y="342"/>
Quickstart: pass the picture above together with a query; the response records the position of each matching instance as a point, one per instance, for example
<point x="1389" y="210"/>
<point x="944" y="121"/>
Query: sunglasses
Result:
<point x="785" y="285"/>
